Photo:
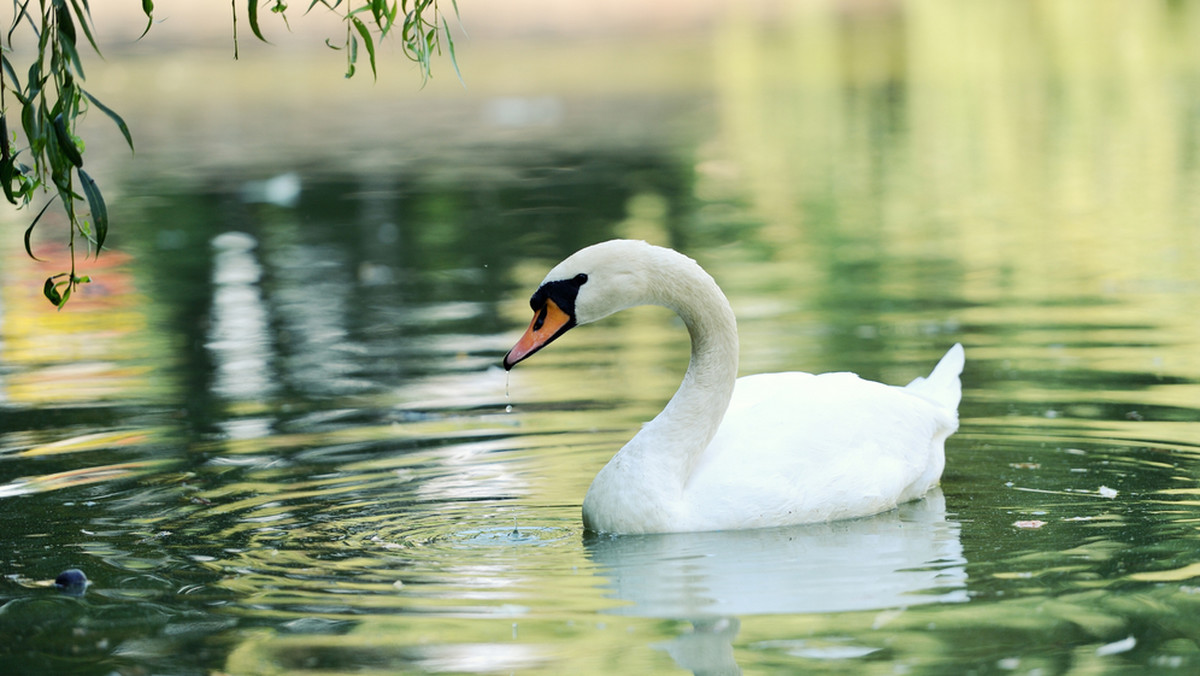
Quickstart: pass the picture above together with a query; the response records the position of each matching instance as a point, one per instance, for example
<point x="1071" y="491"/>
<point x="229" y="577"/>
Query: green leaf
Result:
<point x="34" y="80"/>
<point x="148" y="10"/>
<point x="66" y="26"/>
<point x="31" y="123"/>
<point x="6" y="178"/>
<point x="450" y="46"/>
<point x="384" y="17"/>
<point x="391" y="19"/>
<point x="65" y="143"/>
<point x="50" y="290"/>
<point x="409" y="24"/>
<point x="367" y="41"/>
<point x="68" y="47"/>
<point x="22" y="13"/>
<point x="84" y="14"/>
<point x="8" y="162"/>
<point x="29" y="230"/>
<point x="113" y="116"/>
<point x="427" y="52"/>
<point x="252" y="12"/>
<point x="16" y="82"/>
<point x="280" y="8"/>
<point x="96" y="203"/>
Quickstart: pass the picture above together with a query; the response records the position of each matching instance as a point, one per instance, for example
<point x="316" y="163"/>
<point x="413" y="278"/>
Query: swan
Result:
<point x="729" y="453"/>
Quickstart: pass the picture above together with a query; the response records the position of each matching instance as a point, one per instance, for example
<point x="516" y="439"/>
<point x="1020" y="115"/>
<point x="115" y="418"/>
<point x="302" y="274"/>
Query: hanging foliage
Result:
<point x="42" y="157"/>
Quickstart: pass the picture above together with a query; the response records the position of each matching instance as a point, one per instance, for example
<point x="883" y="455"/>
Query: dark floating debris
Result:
<point x="72" y="581"/>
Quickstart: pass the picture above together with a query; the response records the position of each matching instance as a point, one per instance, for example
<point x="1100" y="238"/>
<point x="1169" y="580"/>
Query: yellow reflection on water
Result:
<point x="77" y="477"/>
<point x="1045" y="150"/>
<point x="97" y="349"/>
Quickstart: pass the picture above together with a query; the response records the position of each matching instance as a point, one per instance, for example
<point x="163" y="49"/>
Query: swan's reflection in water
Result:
<point x="906" y="557"/>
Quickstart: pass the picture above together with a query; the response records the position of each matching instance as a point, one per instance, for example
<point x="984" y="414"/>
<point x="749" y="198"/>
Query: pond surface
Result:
<point x="275" y="435"/>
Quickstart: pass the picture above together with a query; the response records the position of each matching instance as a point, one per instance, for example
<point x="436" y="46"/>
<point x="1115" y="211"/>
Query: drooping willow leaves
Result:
<point x="422" y="28"/>
<point x="51" y="102"/>
<point x="42" y="157"/>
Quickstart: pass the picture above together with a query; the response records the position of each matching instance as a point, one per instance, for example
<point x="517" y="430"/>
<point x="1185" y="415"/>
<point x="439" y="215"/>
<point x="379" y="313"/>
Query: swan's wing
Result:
<point x="830" y="446"/>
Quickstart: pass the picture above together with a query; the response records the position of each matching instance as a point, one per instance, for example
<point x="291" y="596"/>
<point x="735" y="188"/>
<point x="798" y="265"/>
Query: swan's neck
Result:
<point x="648" y="475"/>
<point x="684" y="428"/>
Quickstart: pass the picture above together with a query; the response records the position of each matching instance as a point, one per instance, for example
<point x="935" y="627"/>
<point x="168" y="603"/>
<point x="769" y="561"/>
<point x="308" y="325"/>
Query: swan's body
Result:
<point x="764" y="450"/>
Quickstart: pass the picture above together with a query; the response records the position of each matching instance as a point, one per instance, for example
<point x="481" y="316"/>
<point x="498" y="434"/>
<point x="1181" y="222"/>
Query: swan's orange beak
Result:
<point x="548" y="323"/>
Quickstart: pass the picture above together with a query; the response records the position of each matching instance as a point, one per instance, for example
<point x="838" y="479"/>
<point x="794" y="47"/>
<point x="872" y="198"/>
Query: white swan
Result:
<point x="732" y="453"/>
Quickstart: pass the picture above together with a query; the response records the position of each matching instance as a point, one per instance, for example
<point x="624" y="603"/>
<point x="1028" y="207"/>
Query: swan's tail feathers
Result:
<point x="943" y="386"/>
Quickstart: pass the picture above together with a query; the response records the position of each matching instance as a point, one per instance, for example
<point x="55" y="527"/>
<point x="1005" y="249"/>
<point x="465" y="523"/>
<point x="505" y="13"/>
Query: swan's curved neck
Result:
<point x="679" y="434"/>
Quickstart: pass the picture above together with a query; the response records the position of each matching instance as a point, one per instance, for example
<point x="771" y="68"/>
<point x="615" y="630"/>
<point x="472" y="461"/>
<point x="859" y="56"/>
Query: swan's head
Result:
<point x="591" y="284"/>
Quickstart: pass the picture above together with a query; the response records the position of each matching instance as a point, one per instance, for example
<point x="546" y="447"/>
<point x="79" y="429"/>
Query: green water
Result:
<point x="276" y="437"/>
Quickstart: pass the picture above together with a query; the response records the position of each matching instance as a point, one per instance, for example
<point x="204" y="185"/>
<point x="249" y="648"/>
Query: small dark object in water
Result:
<point x="72" y="582"/>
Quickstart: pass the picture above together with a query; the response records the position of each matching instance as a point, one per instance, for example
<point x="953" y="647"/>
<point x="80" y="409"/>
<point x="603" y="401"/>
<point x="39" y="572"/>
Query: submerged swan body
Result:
<point x="730" y="453"/>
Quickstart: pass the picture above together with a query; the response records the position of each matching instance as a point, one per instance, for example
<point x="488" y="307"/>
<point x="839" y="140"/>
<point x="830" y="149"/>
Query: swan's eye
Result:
<point x="579" y="279"/>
